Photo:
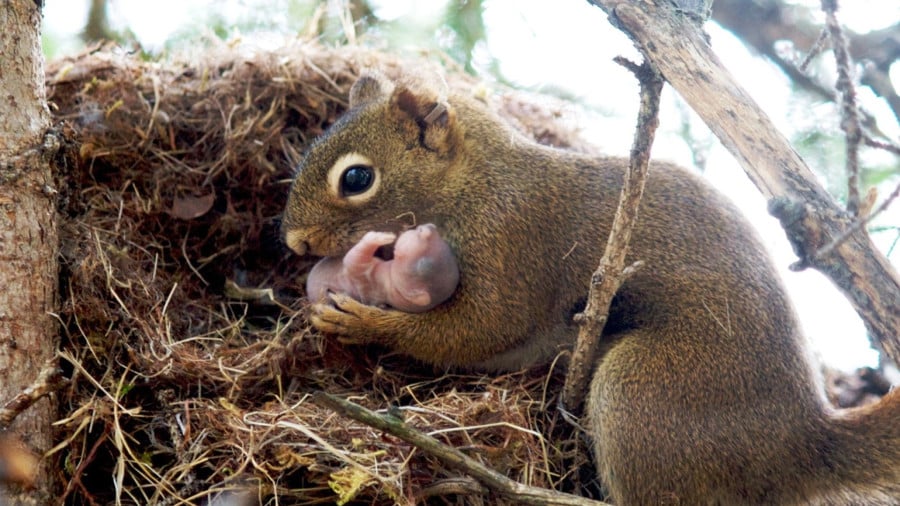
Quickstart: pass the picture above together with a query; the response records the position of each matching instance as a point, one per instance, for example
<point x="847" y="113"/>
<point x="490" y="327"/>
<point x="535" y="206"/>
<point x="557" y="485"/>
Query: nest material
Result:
<point x="184" y="324"/>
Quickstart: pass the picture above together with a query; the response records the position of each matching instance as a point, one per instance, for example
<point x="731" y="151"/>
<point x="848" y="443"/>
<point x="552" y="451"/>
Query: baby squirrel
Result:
<point x="704" y="393"/>
<point x="422" y="273"/>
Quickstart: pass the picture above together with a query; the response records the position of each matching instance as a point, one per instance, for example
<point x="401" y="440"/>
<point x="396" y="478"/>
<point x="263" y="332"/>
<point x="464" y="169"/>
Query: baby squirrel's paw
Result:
<point x="350" y="319"/>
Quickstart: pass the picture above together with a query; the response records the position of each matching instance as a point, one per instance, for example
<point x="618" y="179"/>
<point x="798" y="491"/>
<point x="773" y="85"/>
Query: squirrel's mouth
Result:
<point x="296" y="241"/>
<point x="316" y="242"/>
<point x="385" y="252"/>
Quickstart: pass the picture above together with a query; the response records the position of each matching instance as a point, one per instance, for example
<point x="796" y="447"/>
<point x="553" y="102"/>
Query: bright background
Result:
<point x="566" y="48"/>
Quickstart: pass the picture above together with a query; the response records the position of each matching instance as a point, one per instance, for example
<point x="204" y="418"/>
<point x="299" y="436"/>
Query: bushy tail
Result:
<point x="865" y="465"/>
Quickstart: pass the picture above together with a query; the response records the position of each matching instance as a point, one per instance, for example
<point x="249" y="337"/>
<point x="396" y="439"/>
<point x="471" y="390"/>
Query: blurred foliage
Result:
<point x="466" y="20"/>
<point x="256" y="18"/>
<point x="819" y="140"/>
<point x="823" y="151"/>
<point x="50" y="45"/>
<point x="457" y="29"/>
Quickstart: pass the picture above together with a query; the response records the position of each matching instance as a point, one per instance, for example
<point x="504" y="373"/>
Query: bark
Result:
<point x="811" y="218"/>
<point x="28" y="236"/>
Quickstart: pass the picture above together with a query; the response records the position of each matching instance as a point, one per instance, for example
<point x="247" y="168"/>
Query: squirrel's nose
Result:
<point x="296" y="240"/>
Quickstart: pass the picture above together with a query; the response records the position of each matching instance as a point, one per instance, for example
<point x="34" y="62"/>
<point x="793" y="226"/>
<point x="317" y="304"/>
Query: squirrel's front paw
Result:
<point x="346" y="317"/>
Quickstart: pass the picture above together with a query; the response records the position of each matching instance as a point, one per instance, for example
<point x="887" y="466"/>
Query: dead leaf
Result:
<point x="189" y="207"/>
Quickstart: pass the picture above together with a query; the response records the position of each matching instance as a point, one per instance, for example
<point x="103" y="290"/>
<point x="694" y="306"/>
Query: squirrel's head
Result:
<point x="381" y="166"/>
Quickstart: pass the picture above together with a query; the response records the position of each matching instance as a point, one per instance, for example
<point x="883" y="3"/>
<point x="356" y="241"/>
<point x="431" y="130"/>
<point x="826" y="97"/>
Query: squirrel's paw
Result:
<point x="348" y="318"/>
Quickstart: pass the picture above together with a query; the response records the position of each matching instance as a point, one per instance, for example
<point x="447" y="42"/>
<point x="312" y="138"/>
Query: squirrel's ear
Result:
<point x="434" y="117"/>
<point x="369" y="87"/>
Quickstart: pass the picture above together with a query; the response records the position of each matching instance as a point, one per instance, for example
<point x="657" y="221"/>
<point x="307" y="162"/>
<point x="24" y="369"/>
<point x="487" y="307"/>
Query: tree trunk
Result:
<point x="28" y="236"/>
<point x="97" y="27"/>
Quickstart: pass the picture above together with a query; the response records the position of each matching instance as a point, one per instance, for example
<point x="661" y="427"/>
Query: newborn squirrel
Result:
<point x="704" y="393"/>
<point x="422" y="274"/>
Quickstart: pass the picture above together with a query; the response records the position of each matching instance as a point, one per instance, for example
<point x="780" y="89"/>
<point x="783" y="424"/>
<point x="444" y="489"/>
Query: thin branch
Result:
<point x="855" y="136"/>
<point x="849" y="110"/>
<point x="826" y="250"/>
<point x="451" y="457"/>
<point x="49" y="380"/>
<point x="814" y="51"/>
<point x="611" y="272"/>
<point x="879" y="144"/>
<point x="83" y="464"/>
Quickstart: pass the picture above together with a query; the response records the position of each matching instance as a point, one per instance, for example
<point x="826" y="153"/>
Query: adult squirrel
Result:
<point x="704" y="393"/>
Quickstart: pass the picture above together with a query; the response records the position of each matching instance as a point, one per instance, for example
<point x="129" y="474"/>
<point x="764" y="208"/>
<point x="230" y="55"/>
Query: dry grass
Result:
<point x="185" y="331"/>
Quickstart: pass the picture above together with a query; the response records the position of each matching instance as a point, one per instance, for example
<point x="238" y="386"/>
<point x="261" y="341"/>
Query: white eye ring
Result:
<point x="337" y="171"/>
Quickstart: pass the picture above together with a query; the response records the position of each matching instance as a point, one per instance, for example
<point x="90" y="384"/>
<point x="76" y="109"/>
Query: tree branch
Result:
<point x="611" y="272"/>
<point x="849" y="110"/>
<point x="808" y="214"/>
<point x="451" y="457"/>
<point x="49" y="380"/>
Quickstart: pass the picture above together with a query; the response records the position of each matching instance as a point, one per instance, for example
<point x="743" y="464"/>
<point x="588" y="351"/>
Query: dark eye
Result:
<point x="356" y="179"/>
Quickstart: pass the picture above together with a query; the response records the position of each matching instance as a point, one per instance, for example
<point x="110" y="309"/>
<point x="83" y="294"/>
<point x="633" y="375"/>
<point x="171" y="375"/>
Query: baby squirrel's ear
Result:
<point x="433" y="116"/>
<point x="369" y="87"/>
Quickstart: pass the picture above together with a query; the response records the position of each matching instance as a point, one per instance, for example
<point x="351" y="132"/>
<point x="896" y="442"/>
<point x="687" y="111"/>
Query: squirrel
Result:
<point x="704" y="392"/>
<point x="422" y="273"/>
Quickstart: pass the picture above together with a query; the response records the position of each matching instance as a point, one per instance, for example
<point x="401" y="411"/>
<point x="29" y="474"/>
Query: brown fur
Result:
<point x="704" y="393"/>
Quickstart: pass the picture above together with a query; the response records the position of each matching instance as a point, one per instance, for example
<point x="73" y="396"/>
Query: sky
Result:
<point x="534" y="45"/>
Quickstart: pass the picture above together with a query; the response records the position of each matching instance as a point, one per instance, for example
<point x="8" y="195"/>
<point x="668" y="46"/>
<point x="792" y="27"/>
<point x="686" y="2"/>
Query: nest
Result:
<point x="184" y="323"/>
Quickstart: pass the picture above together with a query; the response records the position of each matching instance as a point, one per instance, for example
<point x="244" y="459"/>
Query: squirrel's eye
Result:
<point x="353" y="179"/>
<point x="356" y="179"/>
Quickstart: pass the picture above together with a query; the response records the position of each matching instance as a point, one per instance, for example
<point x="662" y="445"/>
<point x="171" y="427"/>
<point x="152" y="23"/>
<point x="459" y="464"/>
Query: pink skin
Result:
<point x="422" y="274"/>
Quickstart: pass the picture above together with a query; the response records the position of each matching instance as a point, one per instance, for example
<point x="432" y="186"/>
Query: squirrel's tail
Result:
<point x="862" y="454"/>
